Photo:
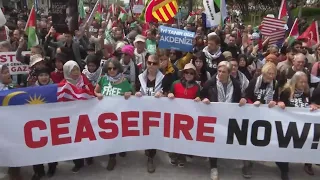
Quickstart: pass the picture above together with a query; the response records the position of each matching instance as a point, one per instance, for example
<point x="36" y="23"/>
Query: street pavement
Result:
<point x="133" y="167"/>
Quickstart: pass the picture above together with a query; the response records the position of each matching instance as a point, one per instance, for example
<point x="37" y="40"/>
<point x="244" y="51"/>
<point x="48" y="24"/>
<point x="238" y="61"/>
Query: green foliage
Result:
<point x="306" y="12"/>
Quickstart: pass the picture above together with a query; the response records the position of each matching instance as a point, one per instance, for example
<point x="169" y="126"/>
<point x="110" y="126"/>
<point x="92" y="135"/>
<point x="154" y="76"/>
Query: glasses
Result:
<point x="187" y="72"/>
<point x="152" y="63"/>
<point x="112" y="68"/>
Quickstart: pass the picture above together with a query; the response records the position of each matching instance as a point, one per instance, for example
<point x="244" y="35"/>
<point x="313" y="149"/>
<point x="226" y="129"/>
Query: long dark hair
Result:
<point x="201" y="56"/>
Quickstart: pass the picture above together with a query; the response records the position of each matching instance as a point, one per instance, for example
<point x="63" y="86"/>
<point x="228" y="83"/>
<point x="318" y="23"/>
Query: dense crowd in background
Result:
<point x="231" y="64"/>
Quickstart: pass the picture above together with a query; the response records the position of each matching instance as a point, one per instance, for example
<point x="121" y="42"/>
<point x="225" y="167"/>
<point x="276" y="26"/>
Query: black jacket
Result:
<point x="210" y="90"/>
<point x="252" y="97"/>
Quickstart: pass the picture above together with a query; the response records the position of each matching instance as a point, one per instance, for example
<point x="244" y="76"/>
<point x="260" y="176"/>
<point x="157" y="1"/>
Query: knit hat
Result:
<point x="128" y="49"/>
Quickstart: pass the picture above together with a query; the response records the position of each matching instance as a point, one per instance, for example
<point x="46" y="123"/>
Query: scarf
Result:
<point x="222" y="95"/>
<point x="244" y="82"/>
<point x="143" y="78"/>
<point x="67" y="68"/>
<point x="131" y="76"/>
<point x="140" y="59"/>
<point x="93" y="77"/>
<point x="268" y="95"/>
<point x="212" y="57"/>
<point x="114" y="79"/>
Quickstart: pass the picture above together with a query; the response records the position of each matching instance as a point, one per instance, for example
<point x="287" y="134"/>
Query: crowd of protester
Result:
<point x="228" y="64"/>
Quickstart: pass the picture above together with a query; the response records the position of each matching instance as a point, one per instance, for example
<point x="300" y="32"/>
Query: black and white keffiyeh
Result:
<point x="225" y="96"/>
<point x="267" y="95"/>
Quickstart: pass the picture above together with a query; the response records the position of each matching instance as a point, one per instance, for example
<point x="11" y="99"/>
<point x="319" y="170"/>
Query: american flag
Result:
<point x="68" y="92"/>
<point x="273" y="28"/>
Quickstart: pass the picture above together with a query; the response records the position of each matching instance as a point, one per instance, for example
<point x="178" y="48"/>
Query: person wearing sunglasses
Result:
<point x="150" y="84"/>
<point x="185" y="88"/>
<point x="113" y="83"/>
<point x="222" y="87"/>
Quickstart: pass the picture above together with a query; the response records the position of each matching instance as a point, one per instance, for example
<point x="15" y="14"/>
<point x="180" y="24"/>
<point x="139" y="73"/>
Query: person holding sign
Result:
<point x="186" y="88"/>
<point x="113" y="83"/>
<point x="221" y="88"/>
<point x="261" y="90"/>
<point x="295" y="93"/>
<point x="150" y="84"/>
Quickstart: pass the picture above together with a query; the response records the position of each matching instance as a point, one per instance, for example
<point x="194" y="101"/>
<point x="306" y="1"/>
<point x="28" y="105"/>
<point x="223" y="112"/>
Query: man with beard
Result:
<point x="309" y="58"/>
<point x="282" y="66"/>
<point x="232" y="46"/>
<point x="17" y="34"/>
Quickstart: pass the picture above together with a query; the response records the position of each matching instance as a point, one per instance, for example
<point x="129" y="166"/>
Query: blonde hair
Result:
<point x="269" y="66"/>
<point x="225" y="64"/>
<point x="291" y="84"/>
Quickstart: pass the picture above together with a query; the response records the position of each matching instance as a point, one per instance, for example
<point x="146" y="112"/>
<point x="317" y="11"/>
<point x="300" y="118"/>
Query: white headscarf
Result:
<point x="67" y="68"/>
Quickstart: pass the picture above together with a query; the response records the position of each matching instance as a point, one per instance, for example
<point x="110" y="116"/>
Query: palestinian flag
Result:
<point x="294" y="32"/>
<point x="82" y="13"/>
<point x="98" y="15"/>
<point x="221" y="9"/>
<point x="122" y="17"/>
<point x="30" y="29"/>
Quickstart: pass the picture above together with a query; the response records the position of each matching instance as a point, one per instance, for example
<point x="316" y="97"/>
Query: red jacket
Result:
<point x="57" y="76"/>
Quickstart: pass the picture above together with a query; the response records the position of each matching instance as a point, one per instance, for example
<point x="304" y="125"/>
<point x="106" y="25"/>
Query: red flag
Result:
<point x="311" y="35"/>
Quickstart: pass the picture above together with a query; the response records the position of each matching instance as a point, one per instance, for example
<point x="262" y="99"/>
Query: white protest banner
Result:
<point x="137" y="9"/>
<point x="15" y="67"/>
<point x="64" y="131"/>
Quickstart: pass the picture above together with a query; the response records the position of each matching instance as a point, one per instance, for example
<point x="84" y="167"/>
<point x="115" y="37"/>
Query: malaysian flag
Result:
<point x="273" y="28"/>
<point x="68" y="92"/>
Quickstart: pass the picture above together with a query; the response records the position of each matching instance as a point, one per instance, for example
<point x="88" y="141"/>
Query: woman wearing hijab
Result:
<point x="92" y="70"/>
<point x="168" y="69"/>
<point x="113" y="83"/>
<point x="185" y="88"/>
<point x="261" y="90"/>
<point x="221" y="88"/>
<point x="130" y="69"/>
<point x="73" y="76"/>
<point x="150" y="84"/>
<point x="295" y="93"/>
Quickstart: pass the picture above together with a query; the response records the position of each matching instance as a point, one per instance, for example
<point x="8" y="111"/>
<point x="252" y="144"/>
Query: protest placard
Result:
<point x="113" y="124"/>
<point x="172" y="38"/>
<point x="9" y="59"/>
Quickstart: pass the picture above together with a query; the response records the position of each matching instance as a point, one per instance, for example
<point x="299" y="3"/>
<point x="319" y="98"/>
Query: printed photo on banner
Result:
<point x="9" y="59"/>
<point x="172" y="38"/>
<point x="64" y="15"/>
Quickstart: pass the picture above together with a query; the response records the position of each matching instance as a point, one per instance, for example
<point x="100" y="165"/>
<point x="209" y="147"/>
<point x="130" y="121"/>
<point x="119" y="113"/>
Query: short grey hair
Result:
<point x="299" y="55"/>
<point x="116" y="64"/>
<point x="226" y="64"/>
